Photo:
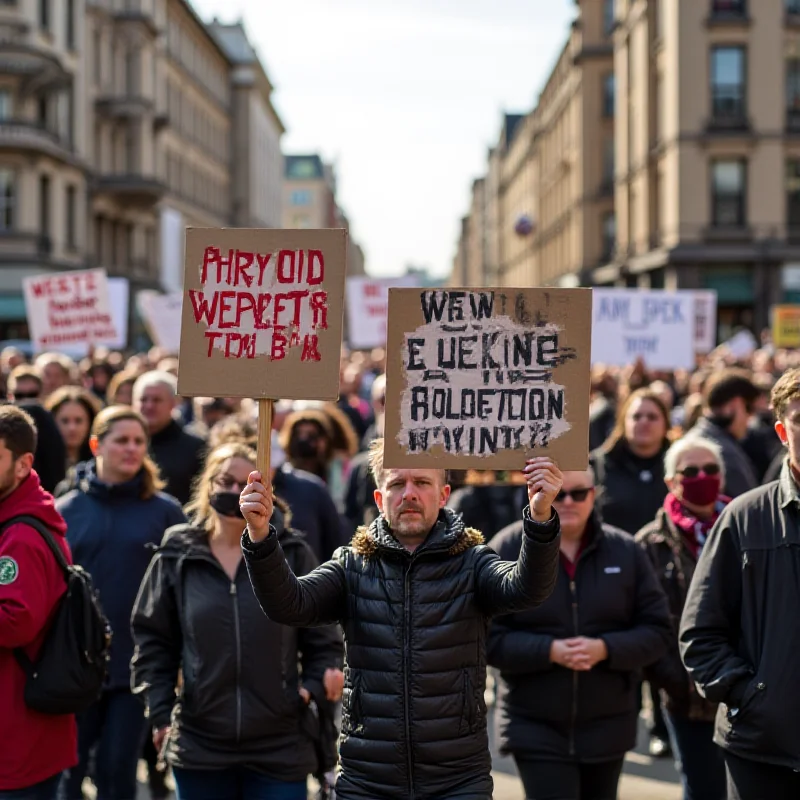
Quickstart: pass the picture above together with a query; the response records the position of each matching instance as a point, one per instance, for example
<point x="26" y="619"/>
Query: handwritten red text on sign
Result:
<point x="255" y="304"/>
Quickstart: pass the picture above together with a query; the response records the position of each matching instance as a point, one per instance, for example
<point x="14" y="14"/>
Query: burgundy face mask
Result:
<point x="702" y="490"/>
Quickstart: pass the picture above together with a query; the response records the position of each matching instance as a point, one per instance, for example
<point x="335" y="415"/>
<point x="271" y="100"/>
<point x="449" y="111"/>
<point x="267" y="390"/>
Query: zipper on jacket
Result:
<point x="574" y="716"/>
<point x="406" y="679"/>
<point x="237" y="628"/>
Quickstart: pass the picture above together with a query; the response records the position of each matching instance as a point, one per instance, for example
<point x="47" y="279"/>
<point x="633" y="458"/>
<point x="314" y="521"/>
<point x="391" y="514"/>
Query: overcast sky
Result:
<point x="404" y="96"/>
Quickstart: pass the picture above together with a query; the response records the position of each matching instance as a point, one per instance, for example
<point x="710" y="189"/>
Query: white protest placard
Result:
<point x="161" y="314"/>
<point x="367" y="301"/>
<point x="69" y="309"/>
<point x="119" y="295"/>
<point x="705" y="320"/>
<point x="654" y="325"/>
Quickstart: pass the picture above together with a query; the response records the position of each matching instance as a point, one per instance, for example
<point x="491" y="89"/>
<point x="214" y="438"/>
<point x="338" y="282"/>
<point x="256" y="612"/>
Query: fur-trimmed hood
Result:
<point x="449" y="534"/>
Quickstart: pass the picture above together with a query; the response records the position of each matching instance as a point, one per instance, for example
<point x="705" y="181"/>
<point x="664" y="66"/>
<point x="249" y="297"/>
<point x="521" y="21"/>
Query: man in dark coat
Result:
<point x="178" y="453"/>
<point x="740" y="633"/>
<point x="414" y="594"/>
<point x="566" y="701"/>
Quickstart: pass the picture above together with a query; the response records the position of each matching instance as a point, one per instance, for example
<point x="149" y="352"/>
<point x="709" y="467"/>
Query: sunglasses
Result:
<point x="26" y="395"/>
<point x="693" y="472"/>
<point x="576" y="495"/>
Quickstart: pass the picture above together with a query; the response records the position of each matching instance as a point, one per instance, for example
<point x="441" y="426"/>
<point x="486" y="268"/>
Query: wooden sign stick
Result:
<point x="264" y="440"/>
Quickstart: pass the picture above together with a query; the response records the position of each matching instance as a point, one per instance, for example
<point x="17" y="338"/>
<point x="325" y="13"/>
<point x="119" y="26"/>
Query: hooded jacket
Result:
<point x="112" y="533"/>
<point x="238" y="704"/>
<point x="415" y="626"/>
<point x="550" y="712"/>
<point x="34" y="746"/>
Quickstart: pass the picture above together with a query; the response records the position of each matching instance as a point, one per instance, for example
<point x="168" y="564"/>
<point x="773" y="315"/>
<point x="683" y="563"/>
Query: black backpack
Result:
<point x="69" y="674"/>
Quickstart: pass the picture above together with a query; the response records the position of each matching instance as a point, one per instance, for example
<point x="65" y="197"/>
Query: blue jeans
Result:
<point x="115" y="727"/>
<point x="699" y="760"/>
<point x="46" y="790"/>
<point x="234" y="784"/>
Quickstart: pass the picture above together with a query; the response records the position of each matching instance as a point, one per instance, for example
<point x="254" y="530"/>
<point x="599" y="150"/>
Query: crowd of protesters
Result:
<point x="665" y="577"/>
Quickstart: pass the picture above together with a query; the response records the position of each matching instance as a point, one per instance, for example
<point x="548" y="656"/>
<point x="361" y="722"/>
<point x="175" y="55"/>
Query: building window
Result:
<point x="44" y="205"/>
<point x="43" y="112"/>
<point x="793" y="93"/>
<point x="793" y="7"/>
<point x="728" y="193"/>
<point x="70" y="23"/>
<point x="608" y="16"/>
<point x="609" y="236"/>
<point x="6" y="104"/>
<point x="609" y="87"/>
<point x="728" y="7"/>
<point x="728" y="84"/>
<point x="71" y="216"/>
<point x="608" y="164"/>
<point x="301" y="197"/>
<point x="7" y="199"/>
<point x="44" y="15"/>
<point x="793" y="196"/>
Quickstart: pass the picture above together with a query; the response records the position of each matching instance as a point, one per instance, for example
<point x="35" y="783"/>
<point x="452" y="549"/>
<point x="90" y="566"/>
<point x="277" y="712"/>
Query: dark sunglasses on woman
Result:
<point x="693" y="472"/>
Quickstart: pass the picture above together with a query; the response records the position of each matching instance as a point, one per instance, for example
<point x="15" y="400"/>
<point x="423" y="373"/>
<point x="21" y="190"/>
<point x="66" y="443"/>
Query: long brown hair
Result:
<point x="90" y="404"/>
<point x="199" y="509"/>
<point x="102" y="426"/>
<point x="616" y="438"/>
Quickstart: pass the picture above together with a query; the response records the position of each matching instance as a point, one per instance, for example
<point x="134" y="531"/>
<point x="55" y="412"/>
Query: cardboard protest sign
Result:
<point x="69" y="310"/>
<point x="161" y="314"/>
<point x="786" y="326"/>
<point x="654" y="325"/>
<point x="368" y="309"/>
<point x="262" y="313"/>
<point x="485" y="378"/>
<point x="705" y="320"/>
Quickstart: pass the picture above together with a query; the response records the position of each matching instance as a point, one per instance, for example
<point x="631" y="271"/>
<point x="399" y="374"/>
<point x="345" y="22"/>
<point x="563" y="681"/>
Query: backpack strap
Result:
<point x="45" y="533"/>
<point x="23" y="519"/>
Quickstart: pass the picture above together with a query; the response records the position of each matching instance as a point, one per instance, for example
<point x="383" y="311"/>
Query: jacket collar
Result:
<point x="788" y="491"/>
<point x="108" y="492"/>
<point x="448" y="535"/>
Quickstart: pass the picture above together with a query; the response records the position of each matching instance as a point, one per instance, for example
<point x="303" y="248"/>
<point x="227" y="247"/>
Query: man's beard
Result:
<point x="405" y="526"/>
<point x="8" y="482"/>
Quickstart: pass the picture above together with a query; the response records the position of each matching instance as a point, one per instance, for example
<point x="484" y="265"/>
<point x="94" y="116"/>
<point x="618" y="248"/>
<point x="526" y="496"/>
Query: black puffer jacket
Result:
<point x="239" y="703"/>
<point x="550" y="712"/>
<point x="415" y="626"/>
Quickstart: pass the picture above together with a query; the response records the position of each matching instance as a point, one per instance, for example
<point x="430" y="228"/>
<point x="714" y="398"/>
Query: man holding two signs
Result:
<point x="414" y="594"/>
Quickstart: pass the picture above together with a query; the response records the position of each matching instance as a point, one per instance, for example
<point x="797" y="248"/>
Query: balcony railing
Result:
<point x="728" y="9"/>
<point x="728" y="107"/>
<point x="30" y="137"/>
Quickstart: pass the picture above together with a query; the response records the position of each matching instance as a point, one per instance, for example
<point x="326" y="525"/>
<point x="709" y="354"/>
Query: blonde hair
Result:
<point x="199" y="509"/>
<point x="102" y="426"/>
<point x="118" y="381"/>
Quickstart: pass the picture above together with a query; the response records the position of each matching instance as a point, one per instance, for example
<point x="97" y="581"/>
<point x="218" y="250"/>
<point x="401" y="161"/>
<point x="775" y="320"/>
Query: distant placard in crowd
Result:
<point x="161" y="314"/>
<point x="70" y="310"/>
<point x="655" y="326"/>
<point x="786" y="326"/>
<point x="705" y="320"/>
<point x="484" y="378"/>
<point x="262" y="313"/>
<point x="368" y="309"/>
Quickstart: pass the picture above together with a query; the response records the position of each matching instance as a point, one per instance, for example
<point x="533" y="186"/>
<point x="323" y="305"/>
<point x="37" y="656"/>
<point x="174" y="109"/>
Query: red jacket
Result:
<point x="33" y="746"/>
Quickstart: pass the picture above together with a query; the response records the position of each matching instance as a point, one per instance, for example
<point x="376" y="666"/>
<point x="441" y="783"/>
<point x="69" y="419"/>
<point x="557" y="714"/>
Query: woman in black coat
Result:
<point x="246" y="720"/>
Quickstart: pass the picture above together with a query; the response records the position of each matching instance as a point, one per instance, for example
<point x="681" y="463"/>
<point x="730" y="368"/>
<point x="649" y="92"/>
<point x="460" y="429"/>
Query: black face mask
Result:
<point x="303" y="448"/>
<point x="226" y="504"/>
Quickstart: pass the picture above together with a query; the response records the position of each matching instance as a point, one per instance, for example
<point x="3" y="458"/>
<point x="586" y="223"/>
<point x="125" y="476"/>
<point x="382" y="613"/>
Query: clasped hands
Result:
<point x="580" y="653"/>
